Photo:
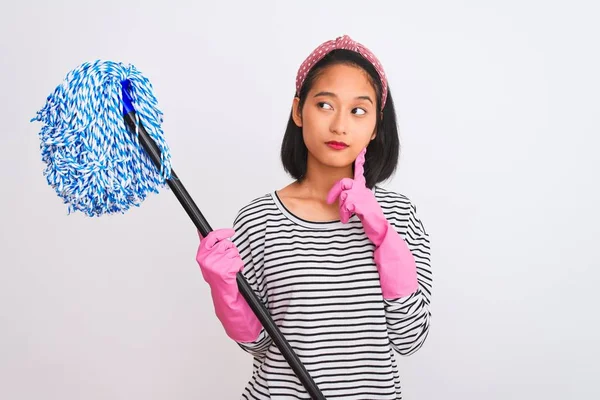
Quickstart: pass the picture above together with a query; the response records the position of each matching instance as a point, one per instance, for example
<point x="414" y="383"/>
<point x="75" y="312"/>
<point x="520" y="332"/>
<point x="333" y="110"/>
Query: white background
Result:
<point x="498" y="105"/>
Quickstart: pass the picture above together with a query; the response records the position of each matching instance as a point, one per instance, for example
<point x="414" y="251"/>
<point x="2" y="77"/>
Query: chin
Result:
<point x="336" y="160"/>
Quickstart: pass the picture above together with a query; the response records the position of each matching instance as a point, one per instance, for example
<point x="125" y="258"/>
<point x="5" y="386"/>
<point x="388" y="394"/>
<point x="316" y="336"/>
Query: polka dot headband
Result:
<point x="346" y="43"/>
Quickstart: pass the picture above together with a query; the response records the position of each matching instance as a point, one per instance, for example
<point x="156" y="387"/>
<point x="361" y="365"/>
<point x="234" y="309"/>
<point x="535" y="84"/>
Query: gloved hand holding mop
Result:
<point x="220" y="261"/>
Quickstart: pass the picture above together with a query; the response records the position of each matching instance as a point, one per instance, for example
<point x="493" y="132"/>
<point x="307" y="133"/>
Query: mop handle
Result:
<point x="202" y="224"/>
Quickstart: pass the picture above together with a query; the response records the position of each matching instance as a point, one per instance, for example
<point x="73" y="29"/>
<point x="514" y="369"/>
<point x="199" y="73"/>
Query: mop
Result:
<point x="104" y="152"/>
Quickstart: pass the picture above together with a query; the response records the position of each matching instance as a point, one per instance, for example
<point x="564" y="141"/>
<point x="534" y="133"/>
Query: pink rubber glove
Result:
<point x="395" y="263"/>
<point x="220" y="262"/>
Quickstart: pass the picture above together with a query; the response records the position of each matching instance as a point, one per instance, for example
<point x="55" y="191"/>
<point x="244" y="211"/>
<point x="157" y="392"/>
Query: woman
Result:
<point x="342" y="264"/>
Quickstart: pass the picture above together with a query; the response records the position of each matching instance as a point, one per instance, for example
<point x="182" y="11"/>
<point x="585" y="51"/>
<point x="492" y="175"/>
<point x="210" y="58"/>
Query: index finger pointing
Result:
<point x="359" y="170"/>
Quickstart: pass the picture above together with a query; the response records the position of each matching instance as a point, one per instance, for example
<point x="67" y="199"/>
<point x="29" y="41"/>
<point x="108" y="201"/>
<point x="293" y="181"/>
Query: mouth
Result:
<point x="336" y="145"/>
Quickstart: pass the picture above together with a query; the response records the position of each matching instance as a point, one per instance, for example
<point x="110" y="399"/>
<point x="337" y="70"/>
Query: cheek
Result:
<point x="313" y="124"/>
<point x="366" y="128"/>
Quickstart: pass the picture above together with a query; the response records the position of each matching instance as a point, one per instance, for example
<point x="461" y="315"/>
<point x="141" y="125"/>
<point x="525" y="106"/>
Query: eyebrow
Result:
<point x="331" y="94"/>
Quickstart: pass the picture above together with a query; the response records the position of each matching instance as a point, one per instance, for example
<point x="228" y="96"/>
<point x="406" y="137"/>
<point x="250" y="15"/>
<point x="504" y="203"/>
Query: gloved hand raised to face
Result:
<point x="220" y="261"/>
<point x="395" y="262"/>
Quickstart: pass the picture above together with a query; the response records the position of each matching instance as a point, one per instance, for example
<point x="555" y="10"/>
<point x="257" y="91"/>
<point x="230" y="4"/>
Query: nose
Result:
<point x="339" y="123"/>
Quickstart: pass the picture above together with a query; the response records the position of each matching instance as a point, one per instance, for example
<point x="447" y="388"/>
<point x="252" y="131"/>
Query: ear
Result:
<point x="296" y="113"/>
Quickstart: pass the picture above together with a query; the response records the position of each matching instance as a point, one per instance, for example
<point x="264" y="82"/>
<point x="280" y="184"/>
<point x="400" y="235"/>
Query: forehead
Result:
<point x="343" y="78"/>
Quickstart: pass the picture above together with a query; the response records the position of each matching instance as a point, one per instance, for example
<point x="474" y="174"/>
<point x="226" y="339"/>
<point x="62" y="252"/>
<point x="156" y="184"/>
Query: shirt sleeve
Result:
<point x="249" y="239"/>
<point x="408" y="317"/>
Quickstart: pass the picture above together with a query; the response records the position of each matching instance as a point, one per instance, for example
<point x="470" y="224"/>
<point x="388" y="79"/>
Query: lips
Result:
<point x="337" y="145"/>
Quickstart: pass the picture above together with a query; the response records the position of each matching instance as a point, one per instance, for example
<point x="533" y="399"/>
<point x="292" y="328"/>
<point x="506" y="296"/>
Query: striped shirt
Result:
<point x="321" y="286"/>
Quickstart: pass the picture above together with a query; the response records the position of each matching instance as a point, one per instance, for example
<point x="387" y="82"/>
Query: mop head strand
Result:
<point x="92" y="160"/>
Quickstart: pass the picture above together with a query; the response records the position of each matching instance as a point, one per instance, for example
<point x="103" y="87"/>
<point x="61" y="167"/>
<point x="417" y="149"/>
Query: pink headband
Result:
<point x="346" y="43"/>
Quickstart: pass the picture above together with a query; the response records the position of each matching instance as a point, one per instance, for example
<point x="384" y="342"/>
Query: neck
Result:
<point x="319" y="178"/>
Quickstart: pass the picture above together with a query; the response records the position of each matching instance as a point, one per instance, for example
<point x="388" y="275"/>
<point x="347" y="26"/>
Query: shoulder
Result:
<point x="399" y="208"/>
<point x="249" y="225"/>
<point x="253" y="214"/>
<point x="393" y="200"/>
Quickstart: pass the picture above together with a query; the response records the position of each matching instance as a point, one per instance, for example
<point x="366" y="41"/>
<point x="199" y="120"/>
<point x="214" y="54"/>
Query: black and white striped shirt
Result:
<point x="321" y="286"/>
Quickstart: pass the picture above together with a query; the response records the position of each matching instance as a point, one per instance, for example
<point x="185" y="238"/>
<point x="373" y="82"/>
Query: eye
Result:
<point x="359" y="111"/>
<point x="325" y="105"/>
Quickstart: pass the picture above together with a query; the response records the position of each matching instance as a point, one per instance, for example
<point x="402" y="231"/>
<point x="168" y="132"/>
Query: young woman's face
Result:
<point x="339" y="115"/>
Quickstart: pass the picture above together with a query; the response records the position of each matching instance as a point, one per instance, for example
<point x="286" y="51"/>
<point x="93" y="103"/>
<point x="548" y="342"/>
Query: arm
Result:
<point x="401" y="255"/>
<point x="408" y="316"/>
<point x="249" y="239"/>
<point x="221" y="259"/>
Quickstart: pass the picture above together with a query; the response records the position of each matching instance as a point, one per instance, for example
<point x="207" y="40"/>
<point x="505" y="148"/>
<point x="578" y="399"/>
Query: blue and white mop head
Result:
<point x="93" y="161"/>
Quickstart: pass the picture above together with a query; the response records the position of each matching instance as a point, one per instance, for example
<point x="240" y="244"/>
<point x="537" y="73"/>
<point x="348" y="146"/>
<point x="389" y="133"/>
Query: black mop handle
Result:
<point x="251" y="298"/>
